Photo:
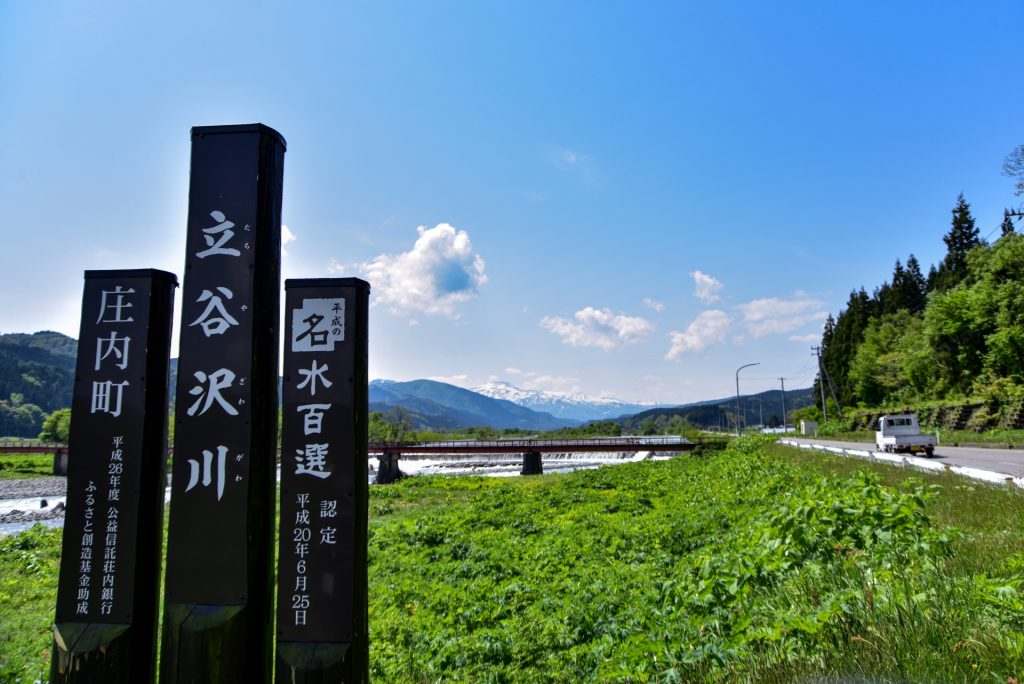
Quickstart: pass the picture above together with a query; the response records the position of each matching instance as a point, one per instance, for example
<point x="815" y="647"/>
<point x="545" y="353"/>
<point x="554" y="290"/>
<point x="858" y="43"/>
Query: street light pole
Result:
<point x="738" y="394"/>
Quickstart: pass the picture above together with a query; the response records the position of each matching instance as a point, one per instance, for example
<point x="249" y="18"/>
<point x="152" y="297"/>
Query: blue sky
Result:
<point x="631" y="199"/>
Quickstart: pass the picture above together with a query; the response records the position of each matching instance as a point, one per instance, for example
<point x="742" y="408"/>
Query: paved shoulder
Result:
<point x="1008" y="461"/>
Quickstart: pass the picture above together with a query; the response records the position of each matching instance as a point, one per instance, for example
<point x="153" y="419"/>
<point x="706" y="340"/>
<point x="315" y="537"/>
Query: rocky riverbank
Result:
<point x="34" y="488"/>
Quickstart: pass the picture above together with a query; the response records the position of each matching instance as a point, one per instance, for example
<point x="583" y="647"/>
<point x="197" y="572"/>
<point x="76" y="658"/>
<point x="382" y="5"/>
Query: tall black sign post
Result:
<point x="107" y="596"/>
<point x="322" y="590"/>
<point x="217" y="603"/>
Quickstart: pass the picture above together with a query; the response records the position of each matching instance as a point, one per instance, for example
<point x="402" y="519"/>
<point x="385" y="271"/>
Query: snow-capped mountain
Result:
<point x="438" y="405"/>
<point x="561" y="404"/>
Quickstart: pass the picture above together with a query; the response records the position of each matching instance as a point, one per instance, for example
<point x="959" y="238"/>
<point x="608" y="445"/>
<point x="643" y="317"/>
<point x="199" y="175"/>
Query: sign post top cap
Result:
<point x="153" y="273"/>
<point x="326" y="282"/>
<point x="238" y="128"/>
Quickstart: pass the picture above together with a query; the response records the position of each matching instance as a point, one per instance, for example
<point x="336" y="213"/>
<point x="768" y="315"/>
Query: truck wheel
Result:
<point x="929" y="451"/>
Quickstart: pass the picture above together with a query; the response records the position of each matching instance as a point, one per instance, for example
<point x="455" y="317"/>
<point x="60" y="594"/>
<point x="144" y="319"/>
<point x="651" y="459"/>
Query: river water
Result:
<point x="32" y="509"/>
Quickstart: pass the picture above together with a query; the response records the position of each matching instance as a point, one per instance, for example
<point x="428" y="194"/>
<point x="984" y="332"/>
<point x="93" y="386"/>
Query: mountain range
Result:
<point x="38" y="370"/>
<point x="572" y="406"/>
<point x="438" y="405"/>
<point x="764" y="408"/>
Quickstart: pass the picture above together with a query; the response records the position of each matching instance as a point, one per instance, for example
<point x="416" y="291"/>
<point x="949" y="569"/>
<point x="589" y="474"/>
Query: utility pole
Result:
<point x="784" y="425"/>
<point x="821" y="384"/>
<point x="831" y="389"/>
<point x="738" y="394"/>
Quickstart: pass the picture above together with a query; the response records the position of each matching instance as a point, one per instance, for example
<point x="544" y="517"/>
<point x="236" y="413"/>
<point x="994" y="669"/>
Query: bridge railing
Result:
<point x="629" y="443"/>
<point x="30" y="445"/>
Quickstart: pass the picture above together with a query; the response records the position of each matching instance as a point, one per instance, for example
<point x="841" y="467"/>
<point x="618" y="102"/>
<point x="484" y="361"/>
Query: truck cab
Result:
<point x="902" y="433"/>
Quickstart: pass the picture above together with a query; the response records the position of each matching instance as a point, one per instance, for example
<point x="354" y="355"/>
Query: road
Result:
<point x="1007" y="461"/>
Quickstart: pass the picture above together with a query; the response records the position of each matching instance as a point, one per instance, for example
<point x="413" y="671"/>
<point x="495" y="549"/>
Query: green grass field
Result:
<point x="759" y="563"/>
<point x="22" y="466"/>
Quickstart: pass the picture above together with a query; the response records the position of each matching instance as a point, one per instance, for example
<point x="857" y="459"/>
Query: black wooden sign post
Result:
<point x="107" y="596"/>
<point x="322" y="590"/>
<point x="218" y="607"/>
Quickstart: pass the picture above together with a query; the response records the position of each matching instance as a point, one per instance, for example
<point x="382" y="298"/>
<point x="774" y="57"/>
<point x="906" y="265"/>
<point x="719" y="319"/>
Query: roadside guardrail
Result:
<point x="915" y="462"/>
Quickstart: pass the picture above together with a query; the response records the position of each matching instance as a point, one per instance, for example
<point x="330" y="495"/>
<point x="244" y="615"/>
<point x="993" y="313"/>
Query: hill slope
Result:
<point x="36" y="376"/>
<point x="719" y="412"/>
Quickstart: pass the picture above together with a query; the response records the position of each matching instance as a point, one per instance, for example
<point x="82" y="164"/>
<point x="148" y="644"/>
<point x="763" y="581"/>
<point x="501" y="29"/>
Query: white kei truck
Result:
<point x="902" y="433"/>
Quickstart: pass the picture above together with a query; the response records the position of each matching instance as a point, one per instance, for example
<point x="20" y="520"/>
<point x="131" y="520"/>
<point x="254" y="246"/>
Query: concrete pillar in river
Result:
<point x="532" y="464"/>
<point x="387" y="468"/>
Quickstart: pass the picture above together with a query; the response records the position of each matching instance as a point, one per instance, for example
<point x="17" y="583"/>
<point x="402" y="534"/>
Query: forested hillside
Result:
<point x="956" y="333"/>
<point x="764" y="409"/>
<point x="36" y="376"/>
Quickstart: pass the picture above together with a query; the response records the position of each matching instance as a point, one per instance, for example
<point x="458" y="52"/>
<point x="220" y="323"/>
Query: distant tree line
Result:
<point x="953" y="333"/>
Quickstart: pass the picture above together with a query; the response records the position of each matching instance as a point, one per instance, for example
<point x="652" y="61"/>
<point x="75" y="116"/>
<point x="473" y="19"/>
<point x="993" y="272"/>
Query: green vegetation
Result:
<point x="23" y="466"/>
<point x="29" y="564"/>
<point x="601" y="428"/>
<point x="57" y="426"/>
<point x="36" y="376"/>
<point x="396" y="425"/>
<point x="741" y="565"/>
<point x="957" y="334"/>
<point x="20" y="419"/>
<point x="754" y="563"/>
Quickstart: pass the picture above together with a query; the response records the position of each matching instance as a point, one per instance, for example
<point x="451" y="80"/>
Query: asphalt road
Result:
<point x="1007" y="461"/>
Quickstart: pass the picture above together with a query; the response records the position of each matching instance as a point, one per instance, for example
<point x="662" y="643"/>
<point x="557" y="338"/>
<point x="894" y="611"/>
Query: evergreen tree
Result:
<point x="828" y="351"/>
<point x="933" y="277"/>
<point x="840" y="342"/>
<point x="895" y="297"/>
<point x="907" y="292"/>
<point x="961" y="239"/>
<point x="1006" y="228"/>
<point x="963" y="236"/>
<point x="883" y="297"/>
<point x="916" y="287"/>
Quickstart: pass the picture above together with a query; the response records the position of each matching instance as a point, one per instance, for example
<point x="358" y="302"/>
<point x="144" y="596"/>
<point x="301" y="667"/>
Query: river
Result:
<point x="46" y="504"/>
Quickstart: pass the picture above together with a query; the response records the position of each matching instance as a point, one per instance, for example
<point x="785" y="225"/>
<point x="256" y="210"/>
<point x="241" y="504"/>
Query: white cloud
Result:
<point x="809" y="337"/>
<point x="707" y="329"/>
<point x="653" y="304"/>
<point x="513" y="371"/>
<point x="574" y="162"/>
<point x="598" y="328"/>
<point x="439" y="272"/>
<point x="773" y="315"/>
<point x="707" y="287"/>
<point x="286" y="237"/>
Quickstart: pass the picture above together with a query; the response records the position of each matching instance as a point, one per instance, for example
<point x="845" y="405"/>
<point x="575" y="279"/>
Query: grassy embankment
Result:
<point x="22" y="466"/>
<point x="758" y="563"/>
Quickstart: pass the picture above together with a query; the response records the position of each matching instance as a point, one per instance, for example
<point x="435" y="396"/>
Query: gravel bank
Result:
<point x="35" y="487"/>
